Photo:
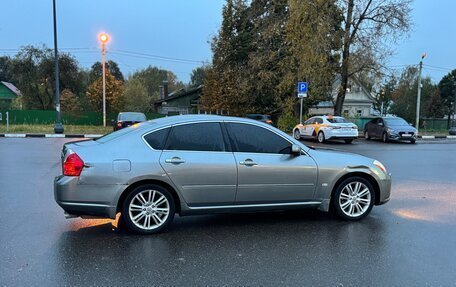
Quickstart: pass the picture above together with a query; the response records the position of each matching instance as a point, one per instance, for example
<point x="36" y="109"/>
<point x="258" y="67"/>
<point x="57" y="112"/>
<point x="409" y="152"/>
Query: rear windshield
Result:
<point x="335" y="120"/>
<point x="119" y="133"/>
<point x="134" y="117"/>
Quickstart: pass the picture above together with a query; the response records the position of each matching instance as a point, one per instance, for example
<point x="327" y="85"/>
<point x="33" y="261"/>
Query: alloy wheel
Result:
<point x="297" y="135"/>
<point x="149" y="209"/>
<point x="355" y="199"/>
<point x="321" y="137"/>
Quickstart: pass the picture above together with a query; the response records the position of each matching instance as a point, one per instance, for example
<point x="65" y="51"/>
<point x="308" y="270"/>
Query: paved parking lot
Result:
<point x="408" y="242"/>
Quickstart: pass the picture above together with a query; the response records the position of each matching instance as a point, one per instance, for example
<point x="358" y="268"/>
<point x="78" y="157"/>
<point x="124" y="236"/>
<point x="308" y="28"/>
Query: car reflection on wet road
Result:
<point x="409" y="241"/>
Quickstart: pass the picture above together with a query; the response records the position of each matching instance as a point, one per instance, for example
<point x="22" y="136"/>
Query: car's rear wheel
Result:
<point x="385" y="137"/>
<point x="148" y="209"/>
<point x="297" y="134"/>
<point x="354" y="198"/>
<point x="321" y="137"/>
<point x="366" y="135"/>
<point x="348" y="141"/>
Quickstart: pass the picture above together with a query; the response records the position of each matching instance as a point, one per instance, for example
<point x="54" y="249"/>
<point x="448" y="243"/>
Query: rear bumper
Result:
<point x="92" y="200"/>
<point x="341" y="134"/>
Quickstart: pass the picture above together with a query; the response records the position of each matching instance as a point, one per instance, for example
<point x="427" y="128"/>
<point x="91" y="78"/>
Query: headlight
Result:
<point x="391" y="131"/>
<point x="380" y="166"/>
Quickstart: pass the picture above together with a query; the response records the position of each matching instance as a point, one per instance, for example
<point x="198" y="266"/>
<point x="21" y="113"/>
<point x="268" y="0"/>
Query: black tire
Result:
<point x="127" y="215"/>
<point x="336" y="199"/>
<point x="366" y="135"/>
<point x="348" y="141"/>
<point x="385" y="137"/>
<point x="297" y="134"/>
<point x="321" y="137"/>
<point x="412" y="141"/>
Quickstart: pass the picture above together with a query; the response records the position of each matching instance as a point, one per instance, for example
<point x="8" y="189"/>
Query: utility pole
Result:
<point x="58" y="127"/>
<point x="418" y="97"/>
<point x="104" y="38"/>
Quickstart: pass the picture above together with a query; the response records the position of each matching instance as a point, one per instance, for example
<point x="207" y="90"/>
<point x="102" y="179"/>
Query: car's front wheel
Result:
<point x="148" y="209"/>
<point x="297" y="134"/>
<point x="412" y="141"/>
<point x="321" y="137"/>
<point x="354" y="198"/>
<point x="385" y="137"/>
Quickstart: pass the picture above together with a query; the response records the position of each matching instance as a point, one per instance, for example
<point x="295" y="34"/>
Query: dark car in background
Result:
<point x="390" y="128"/>
<point x="262" y="118"/>
<point x="126" y="119"/>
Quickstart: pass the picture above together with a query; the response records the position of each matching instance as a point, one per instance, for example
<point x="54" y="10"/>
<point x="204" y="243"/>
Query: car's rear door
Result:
<point x="267" y="172"/>
<point x="200" y="164"/>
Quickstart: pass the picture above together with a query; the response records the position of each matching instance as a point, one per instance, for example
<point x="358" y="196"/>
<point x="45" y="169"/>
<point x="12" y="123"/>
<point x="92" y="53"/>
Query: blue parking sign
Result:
<point x="302" y="87"/>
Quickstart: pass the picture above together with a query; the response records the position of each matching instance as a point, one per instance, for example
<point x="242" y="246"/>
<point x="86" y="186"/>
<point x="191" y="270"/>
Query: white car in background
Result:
<point x="325" y="128"/>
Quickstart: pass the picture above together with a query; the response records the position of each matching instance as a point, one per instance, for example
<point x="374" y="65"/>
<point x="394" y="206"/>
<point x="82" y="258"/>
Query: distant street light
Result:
<point x="58" y="127"/>
<point x="104" y="38"/>
<point x="418" y="97"/>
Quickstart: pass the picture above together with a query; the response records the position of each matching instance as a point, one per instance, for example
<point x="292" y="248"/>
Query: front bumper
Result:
<point x="401" y="137"/>
<point x="81" y="199"/>
<point x="384" y="185"/>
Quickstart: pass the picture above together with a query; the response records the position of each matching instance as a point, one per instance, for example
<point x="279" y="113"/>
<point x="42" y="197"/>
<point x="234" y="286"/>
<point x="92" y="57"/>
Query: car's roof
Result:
<point x="171" y="120"/>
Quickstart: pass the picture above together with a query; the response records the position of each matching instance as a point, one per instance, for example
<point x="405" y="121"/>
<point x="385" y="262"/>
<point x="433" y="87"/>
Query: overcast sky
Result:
<point x="182" y="30"/>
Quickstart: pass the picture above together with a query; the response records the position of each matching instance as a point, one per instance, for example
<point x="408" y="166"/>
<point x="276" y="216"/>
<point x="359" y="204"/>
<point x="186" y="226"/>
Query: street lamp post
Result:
<point x="58" y="127"/>
<point x="104" y="38"/>
<point x="418" y="96"/>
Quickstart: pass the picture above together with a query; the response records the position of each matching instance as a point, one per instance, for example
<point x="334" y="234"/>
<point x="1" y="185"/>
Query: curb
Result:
<point x="91" y="136"/>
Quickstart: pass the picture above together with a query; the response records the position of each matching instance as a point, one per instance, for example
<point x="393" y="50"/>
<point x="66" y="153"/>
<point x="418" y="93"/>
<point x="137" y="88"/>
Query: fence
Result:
<point x="34" y="117"/>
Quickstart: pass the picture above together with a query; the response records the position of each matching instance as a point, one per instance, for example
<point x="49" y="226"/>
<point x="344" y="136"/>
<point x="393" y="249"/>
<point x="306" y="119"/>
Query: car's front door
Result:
<point x="267" y="172"/>
<point x="379" y="128"/>
<point x="200" y="164"/>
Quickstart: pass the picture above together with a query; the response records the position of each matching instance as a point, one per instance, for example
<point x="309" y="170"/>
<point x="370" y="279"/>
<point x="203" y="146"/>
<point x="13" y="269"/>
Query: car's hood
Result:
<point x="403" y="128"/>
<point x="341" y="159"/>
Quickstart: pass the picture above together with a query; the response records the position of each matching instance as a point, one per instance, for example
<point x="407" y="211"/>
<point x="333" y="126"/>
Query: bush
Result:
<point x="287" y="121"/>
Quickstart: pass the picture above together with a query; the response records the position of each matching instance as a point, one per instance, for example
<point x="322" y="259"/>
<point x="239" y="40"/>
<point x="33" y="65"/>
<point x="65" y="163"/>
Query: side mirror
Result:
<point x="295" y="149"/>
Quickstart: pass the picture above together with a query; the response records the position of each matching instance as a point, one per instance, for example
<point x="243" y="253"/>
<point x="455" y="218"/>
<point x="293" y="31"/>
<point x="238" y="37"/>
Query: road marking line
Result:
<point x="451" y="137"/>
<point x="14" y="135"/>
<point x="54" y="135"/>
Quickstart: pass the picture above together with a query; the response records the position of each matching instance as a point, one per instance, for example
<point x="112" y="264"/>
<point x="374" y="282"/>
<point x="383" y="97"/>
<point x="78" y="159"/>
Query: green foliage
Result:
<point x="114" y="100"/>
<point x="70" y="103"/>
<point x="152" y="78"/>
<point x="135" y="96"/>
<point x="96" y="71"/>
<point x="32" y="72"/>
<point x="198" y="76"/>
<point x="287" y="121"/>
<point x="447" y="89"/>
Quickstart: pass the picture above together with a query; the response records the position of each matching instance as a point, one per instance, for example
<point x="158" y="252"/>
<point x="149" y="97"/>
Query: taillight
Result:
<point x="269" y="122"/>
<point x="119" y="125"/>
<point x="73" y="165"/>
<point x="354" y="127"/>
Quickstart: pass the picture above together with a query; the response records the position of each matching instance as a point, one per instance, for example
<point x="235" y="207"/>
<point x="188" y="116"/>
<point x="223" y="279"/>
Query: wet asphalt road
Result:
<point x="411" y="241"/>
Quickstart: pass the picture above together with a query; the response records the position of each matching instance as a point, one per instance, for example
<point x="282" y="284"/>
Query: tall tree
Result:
<point x="33" y="73"/>
<point x="152" y="78"/>
<point x="114" y="90"/>
<point x="447" y="88"/>
<point x="96" y="71"/>
<point x="368" y="27"/>
<point x="198" y="76"/>
<point x="384" y="96"/>
<point x="5" y="69"/>
<point x="136" y="97"/>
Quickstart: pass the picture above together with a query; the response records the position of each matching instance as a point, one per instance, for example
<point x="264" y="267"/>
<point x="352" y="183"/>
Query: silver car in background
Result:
<point x="202" y="164"/>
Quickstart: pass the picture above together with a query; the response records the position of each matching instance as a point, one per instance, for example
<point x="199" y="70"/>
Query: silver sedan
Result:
<point x="210" y="164"/>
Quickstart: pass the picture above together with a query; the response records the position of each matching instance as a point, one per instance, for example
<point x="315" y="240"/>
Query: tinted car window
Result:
<point x="250" y="138"/>
<point x="196" y="137"/>
<point x="318" y="121"/>
<point x="337" y="120"/>
<point x="309" y="121"/>
<point x="134" y="117"/>
<point x="396" y="122"/>
<point x="157" y="139"/>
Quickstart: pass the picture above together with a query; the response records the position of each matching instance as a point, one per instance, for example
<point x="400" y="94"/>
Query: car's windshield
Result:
<point x="134" y="117"/>
<point x="335" y="120"/>
<point x="395" y="122"/>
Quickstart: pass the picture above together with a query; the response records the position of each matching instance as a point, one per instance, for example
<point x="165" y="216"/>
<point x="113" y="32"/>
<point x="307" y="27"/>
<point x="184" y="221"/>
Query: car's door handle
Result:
<point x="248" y="162"/>
<point x="175" y="160"/>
